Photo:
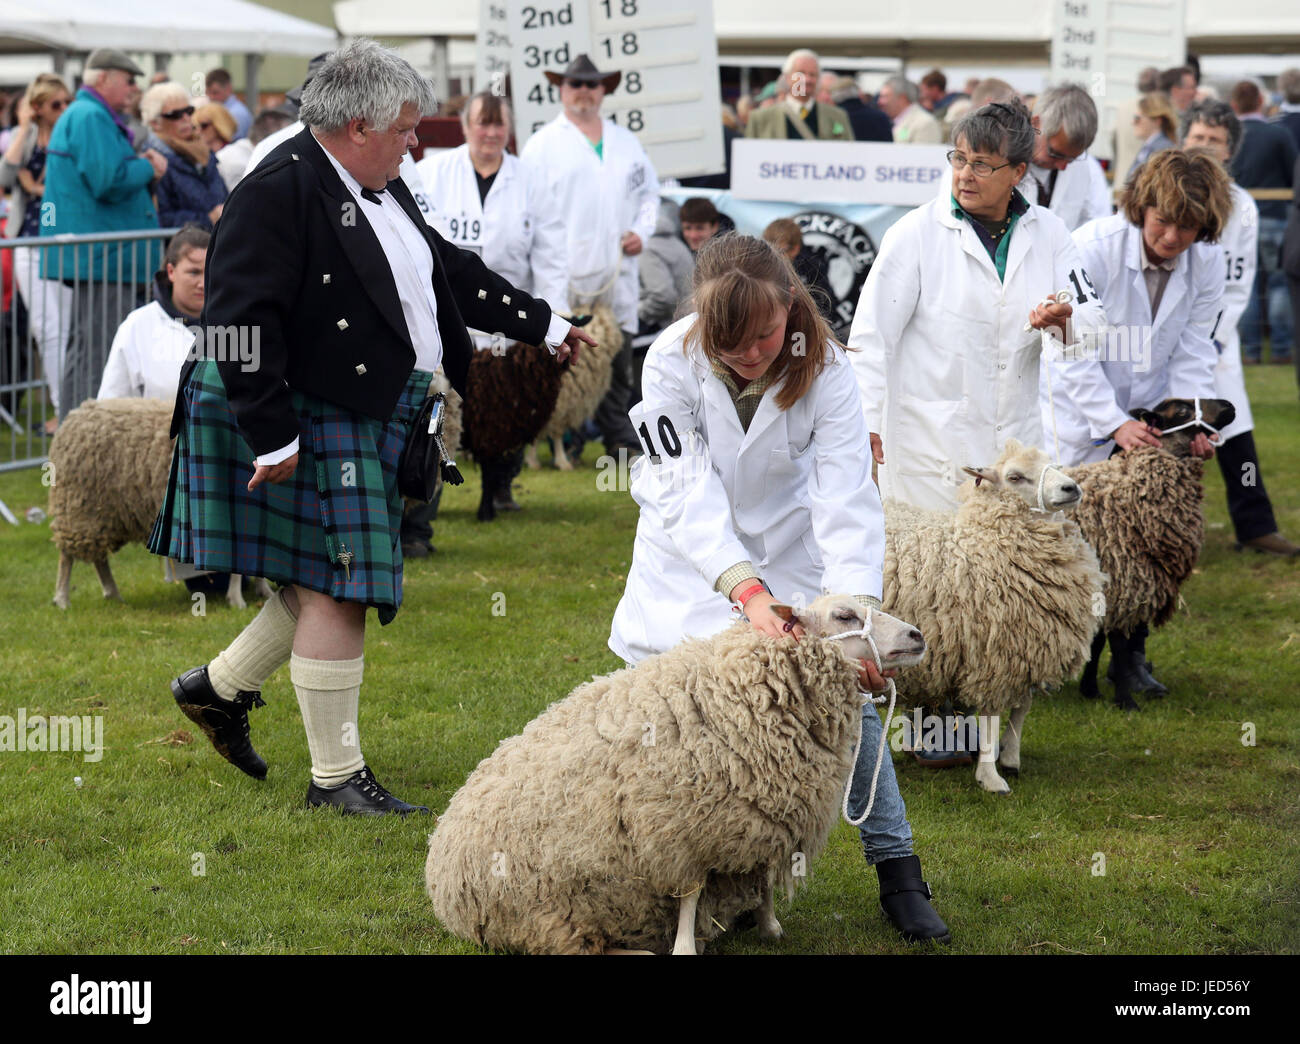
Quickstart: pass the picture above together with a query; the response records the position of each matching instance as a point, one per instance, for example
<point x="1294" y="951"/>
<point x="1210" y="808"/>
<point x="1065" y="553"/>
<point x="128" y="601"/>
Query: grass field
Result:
<point x="164" y="848"/>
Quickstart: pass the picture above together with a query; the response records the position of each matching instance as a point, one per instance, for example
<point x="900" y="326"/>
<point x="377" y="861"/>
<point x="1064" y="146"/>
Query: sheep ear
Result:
<point x="985" y="474"/>
<point x="785" y="612"/>
<point x="1146" y="417"/>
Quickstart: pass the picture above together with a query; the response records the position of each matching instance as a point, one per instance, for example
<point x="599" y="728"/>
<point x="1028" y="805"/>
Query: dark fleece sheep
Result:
<point x="510" y="397"/>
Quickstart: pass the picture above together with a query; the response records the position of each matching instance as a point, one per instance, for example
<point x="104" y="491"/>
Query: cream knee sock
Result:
<point x="329" y="692"/>
<point x="257" y="651"/>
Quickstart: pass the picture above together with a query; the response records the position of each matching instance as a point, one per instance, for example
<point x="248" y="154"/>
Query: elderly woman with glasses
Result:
<point x="949" y="325"/>
<point x="191" y="191"/>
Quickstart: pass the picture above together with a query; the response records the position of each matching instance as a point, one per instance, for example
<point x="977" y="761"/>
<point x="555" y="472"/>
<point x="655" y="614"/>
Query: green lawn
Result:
<point x="1200" y="834"/>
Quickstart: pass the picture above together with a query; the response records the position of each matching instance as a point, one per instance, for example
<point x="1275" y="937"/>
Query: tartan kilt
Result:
<point x="333" y="527"/>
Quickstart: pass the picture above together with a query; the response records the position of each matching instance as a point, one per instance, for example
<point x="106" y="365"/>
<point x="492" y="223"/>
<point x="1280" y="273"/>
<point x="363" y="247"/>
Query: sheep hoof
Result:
<point x="61" y="600"/>
<point x="1010" y="770"/>
<point x="563" y="465"/>
<point x="987" y="777"/>
<point x="771" y="931"/>
<point x="1127" y="704"/>
<point x="1089" y="691"/>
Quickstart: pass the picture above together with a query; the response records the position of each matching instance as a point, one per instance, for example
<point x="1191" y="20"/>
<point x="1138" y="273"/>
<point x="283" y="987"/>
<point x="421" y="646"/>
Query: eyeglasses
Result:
<point x="57" y="105"/>
<point x="176" y="114"/>
<point x="204" y="125"/>
<point x="1060" y="157"/>
<point x="578" y="85"/>
<point x="978" y="167"/>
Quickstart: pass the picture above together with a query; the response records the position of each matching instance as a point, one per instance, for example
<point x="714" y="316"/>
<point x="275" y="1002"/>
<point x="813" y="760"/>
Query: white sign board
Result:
<point x="837" y="171"/>
<point x="492" y="47"/>
<point x="1104" y="44"/>
<point x="667" y="51"/>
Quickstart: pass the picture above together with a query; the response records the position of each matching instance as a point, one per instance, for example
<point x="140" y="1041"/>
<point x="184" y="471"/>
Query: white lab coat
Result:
<point x="1145" y="361"/>
<point x="149" y="349"/>
<point x="947" y="371"/>
<point x="1081" y="194"/>
<point x="793" y="495"/>
<point x="518" y="237"/>
<point x="408" y="173"/>
<point x="1240" y="243"/>
<point x="598" y="200"/>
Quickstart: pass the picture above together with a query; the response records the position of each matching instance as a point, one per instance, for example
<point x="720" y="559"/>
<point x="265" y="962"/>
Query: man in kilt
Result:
<point x="329" y="303"/>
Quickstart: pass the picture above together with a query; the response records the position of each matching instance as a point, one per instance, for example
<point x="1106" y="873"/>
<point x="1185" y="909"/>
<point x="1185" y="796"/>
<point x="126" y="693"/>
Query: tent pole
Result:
<point x="252" y="91"/>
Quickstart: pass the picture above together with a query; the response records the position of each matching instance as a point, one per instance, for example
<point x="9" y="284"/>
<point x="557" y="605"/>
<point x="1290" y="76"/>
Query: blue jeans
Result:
<point x="886" y="833"/>
<point x="1270" y="284"/>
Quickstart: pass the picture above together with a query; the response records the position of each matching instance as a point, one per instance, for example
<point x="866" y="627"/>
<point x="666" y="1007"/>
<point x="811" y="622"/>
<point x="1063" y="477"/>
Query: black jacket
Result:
<point x="294" y="259"/>
<point x="869" y="123"/>
<point x="1265" y="159"/>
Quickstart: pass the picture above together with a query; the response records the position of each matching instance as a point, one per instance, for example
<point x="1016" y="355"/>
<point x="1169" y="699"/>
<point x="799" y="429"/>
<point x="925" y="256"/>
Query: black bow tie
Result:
<point x="371" y="197"/>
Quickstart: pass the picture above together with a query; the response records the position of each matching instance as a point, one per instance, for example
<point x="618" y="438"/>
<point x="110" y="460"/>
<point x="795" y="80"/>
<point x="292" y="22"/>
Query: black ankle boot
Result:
<point x="905" y="901"/>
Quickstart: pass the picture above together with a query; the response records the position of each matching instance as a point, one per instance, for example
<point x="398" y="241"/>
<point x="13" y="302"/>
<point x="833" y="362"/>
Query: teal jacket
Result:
<point x="94" y="182"/>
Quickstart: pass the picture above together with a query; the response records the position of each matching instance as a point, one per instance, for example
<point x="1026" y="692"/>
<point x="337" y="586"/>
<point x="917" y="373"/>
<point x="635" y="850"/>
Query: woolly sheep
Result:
<point x="1141" y="511"/>
<point x="1007" y="594"/>
<point x="511" y="397"/>
<point x="583" y="385"/>
<point x="110" y="459"/>
<point x="659" y="802"/>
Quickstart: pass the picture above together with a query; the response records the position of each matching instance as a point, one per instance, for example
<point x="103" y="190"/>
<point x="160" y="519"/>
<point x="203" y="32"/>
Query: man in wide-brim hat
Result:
<point x="607" y="191"/>
<point x="582" y="70"/>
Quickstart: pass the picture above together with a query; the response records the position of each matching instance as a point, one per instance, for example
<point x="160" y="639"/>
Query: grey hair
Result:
<point x="1288" y="82"/>
<point x="1213" y="114"/>
<point x="367" y="81"/>
<point x="91" y="74"/>
<point x="795" y="55"/>
<point x="844" y="88"/>
<point x="1000" y="129"/>
<point x="155" y="99"/>
<point x="1067" y="107"/>
<point x="902" y="85"/>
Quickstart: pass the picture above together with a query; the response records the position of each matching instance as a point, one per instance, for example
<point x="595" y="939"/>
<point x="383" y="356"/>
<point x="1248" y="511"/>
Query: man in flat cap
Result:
<point x="602" y="182"/>
<point x="95" y="182"/>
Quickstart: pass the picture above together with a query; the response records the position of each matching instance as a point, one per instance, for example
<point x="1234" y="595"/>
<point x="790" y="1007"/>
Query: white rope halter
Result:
<point x="1198" y="419"/>
<point x="1042" y="481"/>
<point x="865" y="632"/>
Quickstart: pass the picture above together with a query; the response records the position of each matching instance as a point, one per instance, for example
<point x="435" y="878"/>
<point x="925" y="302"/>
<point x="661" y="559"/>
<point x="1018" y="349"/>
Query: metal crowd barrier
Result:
<point x="56" y="333"/>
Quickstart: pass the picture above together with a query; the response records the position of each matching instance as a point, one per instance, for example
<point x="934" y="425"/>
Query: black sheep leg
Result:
<point x="490" y="471"/>
<point x="1088" y="683"/>
<point x="1121" y="657"/>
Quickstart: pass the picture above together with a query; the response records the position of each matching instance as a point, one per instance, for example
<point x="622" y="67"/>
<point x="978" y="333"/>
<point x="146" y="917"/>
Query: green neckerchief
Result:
<point x="599" y="146"/>
<point x="997" y="253"/>
<point x="747" y="399"/>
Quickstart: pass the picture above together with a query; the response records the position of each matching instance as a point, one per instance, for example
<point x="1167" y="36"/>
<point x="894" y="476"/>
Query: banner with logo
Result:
<point x="838" y="171"/>
<point x="845" y="236"/>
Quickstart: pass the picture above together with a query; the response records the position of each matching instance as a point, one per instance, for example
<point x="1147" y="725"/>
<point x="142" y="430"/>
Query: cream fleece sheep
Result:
<point x="583" y="385"/>
<point x="1008" y="596"/>
<point x="695" y="776"/>
<point x="110" y="459"/>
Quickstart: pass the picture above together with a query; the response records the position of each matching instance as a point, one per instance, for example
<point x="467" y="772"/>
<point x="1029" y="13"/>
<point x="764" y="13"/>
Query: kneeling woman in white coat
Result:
<point x="755" y="487"/>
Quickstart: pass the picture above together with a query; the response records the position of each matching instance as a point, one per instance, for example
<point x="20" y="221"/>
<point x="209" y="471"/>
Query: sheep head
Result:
<point x="900" y="644"/>
<point x="1174" y="413"/>
<point x="1020" y="470"/>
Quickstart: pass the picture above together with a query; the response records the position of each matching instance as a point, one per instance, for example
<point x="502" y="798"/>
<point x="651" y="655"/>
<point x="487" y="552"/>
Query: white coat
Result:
<point x="1240" y="243"/>
<point x="947" y="371"/>
<point x="1145" y="360"/>
<point x="149" y="349"/>
<point x="518" y="237"/>
<point x="598" y="200"/>
<point x="407" y="173"/>
<point x="1081" y="193"/>
<point x="793" y="495"/>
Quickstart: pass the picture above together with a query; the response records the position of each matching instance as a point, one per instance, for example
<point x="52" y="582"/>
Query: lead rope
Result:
<point x="1198" y="419"/>
<point x="865" y="632"/>
<point x="1060" y="297"/>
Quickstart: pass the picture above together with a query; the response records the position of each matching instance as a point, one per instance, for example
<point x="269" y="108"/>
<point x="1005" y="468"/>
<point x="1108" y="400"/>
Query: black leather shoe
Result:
<point x="1141" y="680"/>
<point x="905" y="901"/>
<point x="224" y="722"/>
<point x="360" y="795"/>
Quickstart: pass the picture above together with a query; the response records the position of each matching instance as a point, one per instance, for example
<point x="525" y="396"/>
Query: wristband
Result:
<point x="749" y="593"/>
